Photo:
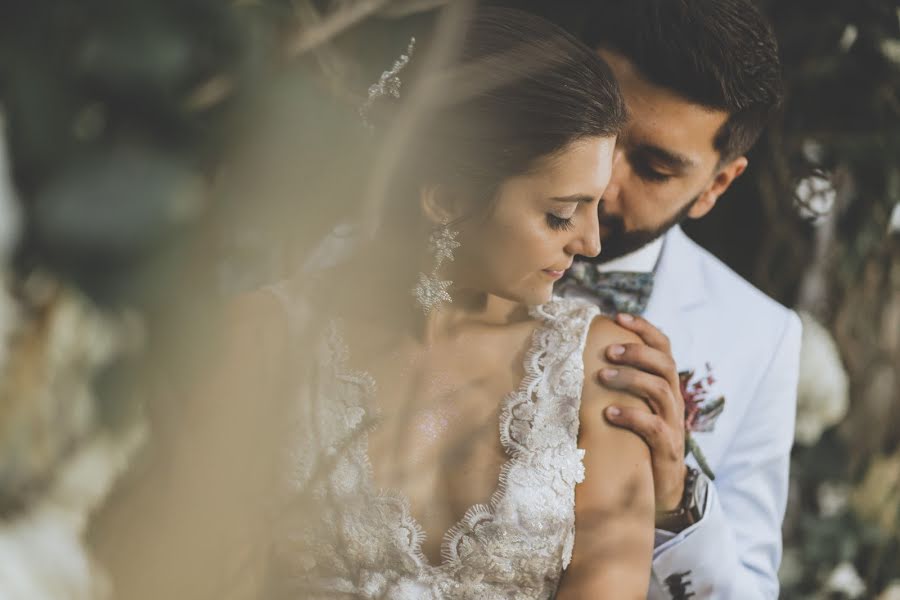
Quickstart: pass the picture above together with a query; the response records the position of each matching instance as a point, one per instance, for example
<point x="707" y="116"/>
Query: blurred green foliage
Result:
<point x="121" y="113"/>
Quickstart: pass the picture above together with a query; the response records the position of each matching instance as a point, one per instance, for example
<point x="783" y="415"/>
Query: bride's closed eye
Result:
<point x="562" y="210"/>
<point x="559" y="223"/>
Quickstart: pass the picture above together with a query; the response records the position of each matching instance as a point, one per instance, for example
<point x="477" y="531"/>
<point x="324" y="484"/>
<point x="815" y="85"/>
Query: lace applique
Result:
<point x="366" y="542"/>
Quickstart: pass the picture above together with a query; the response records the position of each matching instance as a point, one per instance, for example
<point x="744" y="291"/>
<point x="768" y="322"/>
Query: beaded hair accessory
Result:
<point x="388" y="84"/>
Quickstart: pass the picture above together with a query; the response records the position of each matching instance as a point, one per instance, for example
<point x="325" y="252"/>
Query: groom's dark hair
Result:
<point x="720" y="54"/>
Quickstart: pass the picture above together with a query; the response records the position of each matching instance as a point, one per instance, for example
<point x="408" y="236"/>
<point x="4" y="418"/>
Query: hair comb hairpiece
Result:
<point x="388" y="84"/>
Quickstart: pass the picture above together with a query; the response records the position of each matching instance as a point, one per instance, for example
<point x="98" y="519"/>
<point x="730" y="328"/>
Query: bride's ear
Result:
<point x="438" y="205"/>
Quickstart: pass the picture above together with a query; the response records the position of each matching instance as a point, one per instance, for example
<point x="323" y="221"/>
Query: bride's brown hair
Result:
<point x="519" y="90"/>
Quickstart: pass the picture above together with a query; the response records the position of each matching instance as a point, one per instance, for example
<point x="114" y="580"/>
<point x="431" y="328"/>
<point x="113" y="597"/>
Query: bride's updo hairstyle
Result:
<point x="519" y="90"/>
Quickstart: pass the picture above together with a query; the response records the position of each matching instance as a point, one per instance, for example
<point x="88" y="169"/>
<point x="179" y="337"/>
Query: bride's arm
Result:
<point x="614" y="510"/>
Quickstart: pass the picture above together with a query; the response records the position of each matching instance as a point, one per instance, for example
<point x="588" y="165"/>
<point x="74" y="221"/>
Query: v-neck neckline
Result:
<point x="533" y="372"/>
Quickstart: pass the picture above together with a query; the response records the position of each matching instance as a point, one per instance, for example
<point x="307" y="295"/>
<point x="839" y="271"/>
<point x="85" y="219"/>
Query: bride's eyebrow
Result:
<point x="574" y="198"/>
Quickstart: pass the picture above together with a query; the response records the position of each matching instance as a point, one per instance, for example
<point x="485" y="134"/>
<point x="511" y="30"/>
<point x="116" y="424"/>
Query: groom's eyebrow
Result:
<point x="667" y="158"/>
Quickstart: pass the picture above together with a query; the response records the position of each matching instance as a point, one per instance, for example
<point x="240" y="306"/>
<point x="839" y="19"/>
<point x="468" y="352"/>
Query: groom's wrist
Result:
<point x="671" y="497"/>
<point x="690" y="510"/>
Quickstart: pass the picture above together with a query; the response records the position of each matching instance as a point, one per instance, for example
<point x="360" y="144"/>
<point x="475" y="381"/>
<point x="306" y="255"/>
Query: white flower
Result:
<point x="823" y="387"/>
<point x="845" y="580"/>
<point x="894" y="223"/>
<point x="814" y="197"/>
<point x="891" y="50"/>
<point x="848" y="37"/>
<point x="833" y="498"/>
<point x="42" y="553"/>
<point x="891" y="592"/>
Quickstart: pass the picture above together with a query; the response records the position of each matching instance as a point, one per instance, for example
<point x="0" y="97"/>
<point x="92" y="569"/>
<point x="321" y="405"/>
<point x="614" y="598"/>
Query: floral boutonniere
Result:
<point x="701" y="409"/>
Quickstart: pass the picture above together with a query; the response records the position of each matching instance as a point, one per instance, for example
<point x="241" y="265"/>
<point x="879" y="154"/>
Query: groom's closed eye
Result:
<point x="646" y="171"/>
<point x="657" y="164"/>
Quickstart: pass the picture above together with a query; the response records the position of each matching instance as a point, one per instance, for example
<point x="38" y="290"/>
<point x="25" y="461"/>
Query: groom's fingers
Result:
<point x="645" y="358"/>
<point x="653" y="362"/>
<point x="652" y="389"/>
<point x="649" y="427"/>
<point x="652" y="336"/>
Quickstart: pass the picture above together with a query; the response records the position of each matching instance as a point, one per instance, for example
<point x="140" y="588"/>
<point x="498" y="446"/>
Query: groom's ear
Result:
<point x="438" y="204"/>
<point x="719" y="184"/>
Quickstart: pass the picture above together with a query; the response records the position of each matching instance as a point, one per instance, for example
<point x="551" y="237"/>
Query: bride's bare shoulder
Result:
<point x="258" y="310"/>
<point x="266" y="317"/>
<point x="255" y="338"/>
<point x="614" y="504"/>
<point x="604" y="332"/>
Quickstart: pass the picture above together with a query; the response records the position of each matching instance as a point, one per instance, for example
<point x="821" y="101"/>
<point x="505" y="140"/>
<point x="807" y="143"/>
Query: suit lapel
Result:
<point x="679" y="290"/>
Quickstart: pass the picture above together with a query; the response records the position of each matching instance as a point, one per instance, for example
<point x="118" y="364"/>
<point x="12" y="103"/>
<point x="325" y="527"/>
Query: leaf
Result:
<point x="706" y="417"/>
<point x="700" y="457"/>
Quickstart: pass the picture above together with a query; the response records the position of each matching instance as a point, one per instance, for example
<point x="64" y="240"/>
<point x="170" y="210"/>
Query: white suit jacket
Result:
<point x="752" y="344"/>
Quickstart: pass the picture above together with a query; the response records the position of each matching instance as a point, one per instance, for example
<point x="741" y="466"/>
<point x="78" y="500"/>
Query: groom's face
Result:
<point x="668" y="169"/>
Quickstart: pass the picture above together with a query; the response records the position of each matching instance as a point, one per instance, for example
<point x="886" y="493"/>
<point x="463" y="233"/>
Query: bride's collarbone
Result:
<point x="436" y="416"/>
<point x="409" y="373"/>
<point x="437" y="440"/>
<point x="438" y="404"/>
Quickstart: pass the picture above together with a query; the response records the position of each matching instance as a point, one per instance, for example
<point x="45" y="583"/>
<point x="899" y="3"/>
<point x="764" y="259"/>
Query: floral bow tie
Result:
<point x="616" y="291"/>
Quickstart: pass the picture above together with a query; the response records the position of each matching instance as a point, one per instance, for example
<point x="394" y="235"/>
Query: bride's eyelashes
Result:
<point x="558" y="223"/>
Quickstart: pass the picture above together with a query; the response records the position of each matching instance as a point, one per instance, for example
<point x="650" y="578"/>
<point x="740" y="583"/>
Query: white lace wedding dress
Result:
<point x="348" y="539"/>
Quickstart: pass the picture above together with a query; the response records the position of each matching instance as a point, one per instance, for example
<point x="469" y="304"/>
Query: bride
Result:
<point x="444" y="434"/>
<point x="449" y="441"/>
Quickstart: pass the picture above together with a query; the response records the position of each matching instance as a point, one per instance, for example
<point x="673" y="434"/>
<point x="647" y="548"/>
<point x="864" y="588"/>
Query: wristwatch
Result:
<point x="693" y="503"/>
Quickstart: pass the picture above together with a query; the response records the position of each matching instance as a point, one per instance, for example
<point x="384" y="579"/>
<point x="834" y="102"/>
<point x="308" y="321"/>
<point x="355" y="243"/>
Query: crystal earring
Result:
<point x="430" y="292"/>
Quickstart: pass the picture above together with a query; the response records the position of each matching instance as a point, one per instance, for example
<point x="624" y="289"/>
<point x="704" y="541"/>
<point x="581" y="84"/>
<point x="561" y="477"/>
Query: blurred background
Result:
<point x="161" y="156"/>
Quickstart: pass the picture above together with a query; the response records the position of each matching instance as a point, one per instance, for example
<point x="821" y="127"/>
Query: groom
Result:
<point x="700" y="79"/>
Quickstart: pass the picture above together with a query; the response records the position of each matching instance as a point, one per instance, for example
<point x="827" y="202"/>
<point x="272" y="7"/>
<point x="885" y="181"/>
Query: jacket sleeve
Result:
<point x="735" y="549"/>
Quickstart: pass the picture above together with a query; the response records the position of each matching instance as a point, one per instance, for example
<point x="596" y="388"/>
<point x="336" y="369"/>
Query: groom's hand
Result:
<point x="649" y="372"/>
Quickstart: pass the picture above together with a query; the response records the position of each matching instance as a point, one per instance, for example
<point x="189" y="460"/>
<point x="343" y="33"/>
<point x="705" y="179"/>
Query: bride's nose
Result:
<point x="587" y="240"/>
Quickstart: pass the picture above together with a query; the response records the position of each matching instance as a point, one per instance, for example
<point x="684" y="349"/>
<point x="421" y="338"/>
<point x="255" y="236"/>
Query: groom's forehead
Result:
<point x="671" y="130"/>
<point x="660" y="117"/>
<point x="678" y="138"/>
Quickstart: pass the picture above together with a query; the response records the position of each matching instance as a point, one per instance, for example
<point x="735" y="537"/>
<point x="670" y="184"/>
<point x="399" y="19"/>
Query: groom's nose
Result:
<point x="610" y="197"/>
<point x="612" y="194"/>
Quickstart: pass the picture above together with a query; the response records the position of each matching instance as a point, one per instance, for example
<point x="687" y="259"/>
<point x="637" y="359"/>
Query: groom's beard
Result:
<point x="619" y="242"/>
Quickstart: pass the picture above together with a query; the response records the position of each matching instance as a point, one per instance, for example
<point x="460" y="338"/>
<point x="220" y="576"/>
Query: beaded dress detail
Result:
<point x="348" y="539"/>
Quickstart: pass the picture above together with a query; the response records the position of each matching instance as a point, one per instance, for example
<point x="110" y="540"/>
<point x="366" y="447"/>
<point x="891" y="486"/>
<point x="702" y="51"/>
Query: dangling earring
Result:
<point x="430" y="292"/>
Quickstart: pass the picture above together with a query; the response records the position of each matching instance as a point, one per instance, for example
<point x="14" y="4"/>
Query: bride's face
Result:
<point x="536" y="225"/>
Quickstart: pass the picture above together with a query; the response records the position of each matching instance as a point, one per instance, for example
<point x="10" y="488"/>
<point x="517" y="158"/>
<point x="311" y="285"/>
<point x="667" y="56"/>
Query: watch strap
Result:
<point x="691" y="508"/>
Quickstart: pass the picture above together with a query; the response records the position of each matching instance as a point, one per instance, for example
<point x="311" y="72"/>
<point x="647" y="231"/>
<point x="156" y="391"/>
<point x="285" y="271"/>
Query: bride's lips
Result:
<point x="555" y="273"/>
